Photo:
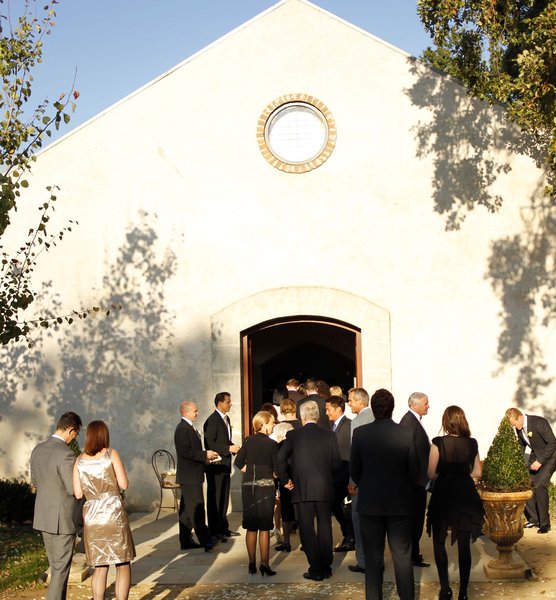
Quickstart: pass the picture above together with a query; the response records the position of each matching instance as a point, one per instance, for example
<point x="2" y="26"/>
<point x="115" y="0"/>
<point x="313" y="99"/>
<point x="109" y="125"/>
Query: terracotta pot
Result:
<point x="504" y="526"/>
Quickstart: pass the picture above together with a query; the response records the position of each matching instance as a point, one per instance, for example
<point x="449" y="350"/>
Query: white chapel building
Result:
<point x="265" y="210"/>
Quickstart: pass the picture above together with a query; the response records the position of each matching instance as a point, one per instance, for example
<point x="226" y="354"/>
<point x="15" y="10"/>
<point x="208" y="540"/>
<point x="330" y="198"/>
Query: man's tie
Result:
<point x="229" y="425"/>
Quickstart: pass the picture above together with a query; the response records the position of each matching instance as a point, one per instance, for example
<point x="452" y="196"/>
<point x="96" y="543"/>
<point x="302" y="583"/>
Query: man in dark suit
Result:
<point x="384" y="466"/>
<point x="313" y="395"/>
<point x="218" y="437"/>
<point x="55" y="505"/>
<point x="314" y="456"/>
<point x="294" y="394"/>
<point x="539" y="444"/>
<point x="341" y="426"/>
<point x="418" y="408"/>
<point x="190" y="474"/>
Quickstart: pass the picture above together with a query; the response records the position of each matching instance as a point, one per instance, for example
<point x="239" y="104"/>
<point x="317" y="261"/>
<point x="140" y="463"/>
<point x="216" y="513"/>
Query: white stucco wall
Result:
<point x="184" y="147"/>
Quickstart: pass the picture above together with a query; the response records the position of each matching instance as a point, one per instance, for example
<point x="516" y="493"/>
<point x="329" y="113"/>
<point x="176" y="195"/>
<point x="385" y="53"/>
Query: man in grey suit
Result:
<point x="358" y="400"/>
<point x="55" y="505"/>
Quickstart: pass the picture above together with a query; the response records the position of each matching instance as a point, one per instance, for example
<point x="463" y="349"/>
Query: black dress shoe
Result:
<point x="530" y="525"/>
<point x="446" y="595"/>
<point x="356" y="569"/>
<point x="544" y="529"/>
<point x="313" y="576"/>
<point x="230" y="533"/>
<point x="283" y="547"/>
<point x="419" y="562"/>
<point x="327" y="574"/>
<point x="191" y="546"/>
<point x="344" y="547"/>
<point x="211" y="543"/>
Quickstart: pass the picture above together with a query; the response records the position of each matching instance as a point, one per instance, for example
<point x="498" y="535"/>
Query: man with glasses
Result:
<point x="55" y="505"/>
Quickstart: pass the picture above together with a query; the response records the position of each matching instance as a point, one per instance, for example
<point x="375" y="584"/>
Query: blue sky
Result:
<point x="119" y="45"/>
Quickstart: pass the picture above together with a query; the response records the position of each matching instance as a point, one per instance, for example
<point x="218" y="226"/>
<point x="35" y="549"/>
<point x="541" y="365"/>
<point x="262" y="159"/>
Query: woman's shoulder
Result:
<point x="437" y="440"/>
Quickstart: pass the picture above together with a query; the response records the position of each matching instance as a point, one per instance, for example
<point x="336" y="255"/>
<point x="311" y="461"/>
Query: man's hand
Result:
<point x="535" y="466"/>
<point x="352" y="489"/>
<point x="234" y="449"/>
<point x="289" y="485"/>
<point x="212" y="455"/>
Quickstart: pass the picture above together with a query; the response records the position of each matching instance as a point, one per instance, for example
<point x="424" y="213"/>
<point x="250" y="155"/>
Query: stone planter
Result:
<point x="504" y="526"/>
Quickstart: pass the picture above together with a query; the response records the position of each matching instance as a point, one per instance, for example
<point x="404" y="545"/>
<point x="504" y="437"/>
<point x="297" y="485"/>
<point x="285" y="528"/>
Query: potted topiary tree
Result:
<point x="504" y="488"/>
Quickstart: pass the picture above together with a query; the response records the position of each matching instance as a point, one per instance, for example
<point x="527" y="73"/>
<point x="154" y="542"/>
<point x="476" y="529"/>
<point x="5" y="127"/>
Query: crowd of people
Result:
<point x="306" y="462"/>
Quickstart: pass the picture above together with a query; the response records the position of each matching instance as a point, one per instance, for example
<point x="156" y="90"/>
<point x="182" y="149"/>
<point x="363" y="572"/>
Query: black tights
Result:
<point x="441" y="559"/>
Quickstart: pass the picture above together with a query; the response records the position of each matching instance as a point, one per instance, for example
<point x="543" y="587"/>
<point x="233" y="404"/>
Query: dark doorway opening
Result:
<point x="298" y="347"/>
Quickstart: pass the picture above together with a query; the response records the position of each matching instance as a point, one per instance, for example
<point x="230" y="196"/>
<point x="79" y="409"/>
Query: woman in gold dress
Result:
<point x="99" y="475"/>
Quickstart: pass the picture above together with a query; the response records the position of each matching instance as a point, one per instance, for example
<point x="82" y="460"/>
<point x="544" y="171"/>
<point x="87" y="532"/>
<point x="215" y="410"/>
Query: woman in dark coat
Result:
<point x="257" y="461"/>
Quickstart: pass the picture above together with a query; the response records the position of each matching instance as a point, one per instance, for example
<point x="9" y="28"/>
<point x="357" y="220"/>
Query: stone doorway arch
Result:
<point x="228" y="327"/>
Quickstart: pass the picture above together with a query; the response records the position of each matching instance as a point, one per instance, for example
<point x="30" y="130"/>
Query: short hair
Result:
<point x="269" y="407"/>
<point x="287" y="406"/>
<point x="260" y="419"/>
<point x="455" y="422"/>
<point x="97" y="437"/>
<point x="336" y="390"/>
<point x="337" y="402"/>
<point x="309" y="411"/>
<point x="382" y="403"/>
<point x="279" y="394"/>
<point x="323" y="388"/>
<point x="186" y="405"/>
<point x="69" y="420"/>
<point x="360" y="394"/>
<point x="513" y="413"/>
<point x="281" y="429"/>
<point x="292" y="383"/>
<point x="416" y="397"/>
<point x="311" y="386"/>
<point x="221" y="397"/>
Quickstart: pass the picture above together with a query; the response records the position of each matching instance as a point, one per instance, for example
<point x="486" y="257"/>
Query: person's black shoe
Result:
<point x="223" y="539"/>
<point x="191" y="546"/>
<point x="313" y="576"/>
<point x="419" y="562"/>
<point x="211" y="543"/>
<point x="252" y="568"/>
<point x="356" y="569"/>
<point x="327" y="574"/>
<point x="283" y="547"/>
<point x="230" y="533"/>
<point x="530" y="525"/>
<point x="544" y="529"/>
<point x="345" y="546"/>
<point x="266" y="570"/>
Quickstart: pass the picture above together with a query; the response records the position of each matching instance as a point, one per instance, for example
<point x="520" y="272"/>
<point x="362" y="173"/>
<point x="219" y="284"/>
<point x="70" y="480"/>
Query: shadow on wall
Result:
<point x="112" y="368"/>
<point x="470" y="148"/>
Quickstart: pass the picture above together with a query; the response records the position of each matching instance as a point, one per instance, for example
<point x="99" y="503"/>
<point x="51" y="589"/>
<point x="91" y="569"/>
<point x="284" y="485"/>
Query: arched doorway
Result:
<point x="301" y="347"/>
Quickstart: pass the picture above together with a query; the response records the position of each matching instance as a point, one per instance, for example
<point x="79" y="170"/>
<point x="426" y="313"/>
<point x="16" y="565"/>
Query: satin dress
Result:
<point x="106" y="532"/>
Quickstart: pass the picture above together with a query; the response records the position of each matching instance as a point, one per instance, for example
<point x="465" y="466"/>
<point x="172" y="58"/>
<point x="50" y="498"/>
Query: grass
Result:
<point x="22" y="557"/>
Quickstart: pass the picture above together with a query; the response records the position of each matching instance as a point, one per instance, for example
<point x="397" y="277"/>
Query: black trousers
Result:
<point x="536" y="508"/>
<point x="218" y="497"/>
<point x="192" y="514"/>
<point x="374" y="530"/>
<point x="338" y="510"/>
<point x="315" y="532"/>
<point x="419" y="498"/>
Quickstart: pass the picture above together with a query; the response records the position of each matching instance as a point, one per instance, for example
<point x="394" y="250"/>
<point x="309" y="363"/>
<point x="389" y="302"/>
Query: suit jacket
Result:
<point x="217" y="439"/>
<point x="314" y="457"/>
<point x="321" y="403"/>
<point x="190" y="455"/>
<point x="422" y="445"/>
<point x="52" y="474"/>
<point x="364" y="417"/>
<point x="343" y="436"/>
<point x="542" y="441"/>
<point x="384" y="466"/>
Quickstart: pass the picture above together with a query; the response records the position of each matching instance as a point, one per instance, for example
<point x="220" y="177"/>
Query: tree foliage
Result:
<point x="23" y="130"/>
<point x="504" y="52"/>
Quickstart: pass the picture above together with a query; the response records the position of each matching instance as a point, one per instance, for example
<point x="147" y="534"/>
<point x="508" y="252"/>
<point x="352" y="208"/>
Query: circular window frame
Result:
<point x="277" y="106"/>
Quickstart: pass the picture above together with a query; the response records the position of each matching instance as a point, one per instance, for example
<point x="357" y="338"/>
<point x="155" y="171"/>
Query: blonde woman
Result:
<point x="257" y="461"/>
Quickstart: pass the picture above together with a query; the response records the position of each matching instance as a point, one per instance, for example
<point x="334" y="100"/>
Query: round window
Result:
<point x="296" y="133"/>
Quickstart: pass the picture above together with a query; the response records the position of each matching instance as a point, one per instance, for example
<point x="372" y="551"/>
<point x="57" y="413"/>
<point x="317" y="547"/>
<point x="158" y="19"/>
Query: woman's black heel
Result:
<point x="252" y="568"/>
<point x="266" y="570"/>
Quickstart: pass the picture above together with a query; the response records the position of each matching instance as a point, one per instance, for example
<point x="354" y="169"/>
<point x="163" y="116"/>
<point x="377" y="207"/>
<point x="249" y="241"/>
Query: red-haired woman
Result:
<point x="99" y="475"/>
<point x="455" y="504"/>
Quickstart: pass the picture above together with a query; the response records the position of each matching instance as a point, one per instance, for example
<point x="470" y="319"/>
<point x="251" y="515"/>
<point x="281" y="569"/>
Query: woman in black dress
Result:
<point x="455" y="504"/>
<point x="257" y="461"/>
